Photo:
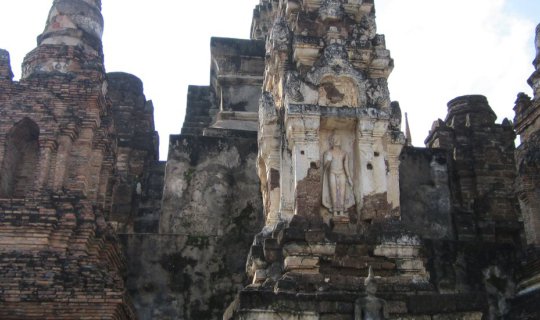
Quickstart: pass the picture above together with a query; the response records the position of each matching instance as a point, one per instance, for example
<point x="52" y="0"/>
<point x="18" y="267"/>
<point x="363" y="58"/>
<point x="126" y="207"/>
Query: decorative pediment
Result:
<point x="339" y="83"/>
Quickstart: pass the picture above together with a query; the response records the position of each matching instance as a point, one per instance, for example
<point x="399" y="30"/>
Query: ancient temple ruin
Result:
<point x="291" y="192"/>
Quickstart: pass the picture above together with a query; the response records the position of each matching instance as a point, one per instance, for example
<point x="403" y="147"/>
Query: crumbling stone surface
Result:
<point x="184" y="276"/>
<point x="194" y="265"/>
<point x="308" y="195"/>
<point x="210" y="181"/>
<point x="211" y="205"/>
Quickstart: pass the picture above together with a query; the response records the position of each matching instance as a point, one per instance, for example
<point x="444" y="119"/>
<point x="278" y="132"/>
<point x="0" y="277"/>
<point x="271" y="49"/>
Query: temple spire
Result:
<point x="76" y="24"/>
<point x="408" y="136"/>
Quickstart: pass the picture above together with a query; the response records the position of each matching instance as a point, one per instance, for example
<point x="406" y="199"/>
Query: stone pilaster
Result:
<point x="269" y="160"/>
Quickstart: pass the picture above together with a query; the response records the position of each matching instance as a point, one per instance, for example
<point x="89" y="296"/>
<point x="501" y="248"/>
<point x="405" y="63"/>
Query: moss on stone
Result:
<point x="188" y="175"/>
<point x="200" y="242"/>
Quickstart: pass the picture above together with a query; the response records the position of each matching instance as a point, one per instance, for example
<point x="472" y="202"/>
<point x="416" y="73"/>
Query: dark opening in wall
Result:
<point x="20" y="159"/>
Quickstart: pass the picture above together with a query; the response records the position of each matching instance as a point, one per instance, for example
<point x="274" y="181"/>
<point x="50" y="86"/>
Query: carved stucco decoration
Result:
<point x="294" y="86"/>
<point x="365" y="31"/>
<point x="377" y="93"/>
<point x="331" y="10"/>
<point x="279" y="36"/>
<point x="267" y="109"/>
<point x="340" y="84"/>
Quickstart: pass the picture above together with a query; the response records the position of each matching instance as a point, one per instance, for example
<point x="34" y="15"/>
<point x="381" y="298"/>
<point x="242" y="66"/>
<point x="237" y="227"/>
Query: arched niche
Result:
<point x="340" y="83"/>
<point x="20" y="162"/>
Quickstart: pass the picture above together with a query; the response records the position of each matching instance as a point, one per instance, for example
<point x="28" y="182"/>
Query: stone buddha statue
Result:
<point x="370" y="307"/>
<point x="337" y="183"/>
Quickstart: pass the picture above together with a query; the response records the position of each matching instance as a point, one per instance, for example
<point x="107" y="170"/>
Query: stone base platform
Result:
<point x="256" y="304"/>
<point x="306" y="271"/>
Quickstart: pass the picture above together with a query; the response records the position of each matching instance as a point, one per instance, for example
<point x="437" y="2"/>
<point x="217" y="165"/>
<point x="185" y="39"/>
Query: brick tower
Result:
<point x="58" y="256"/>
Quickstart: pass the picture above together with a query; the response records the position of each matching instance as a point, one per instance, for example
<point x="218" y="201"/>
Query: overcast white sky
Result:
<point x="442" y="49"/>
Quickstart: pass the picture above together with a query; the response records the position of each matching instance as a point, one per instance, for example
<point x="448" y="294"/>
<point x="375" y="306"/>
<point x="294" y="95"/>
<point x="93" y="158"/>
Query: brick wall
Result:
<point x="483" y="170"/>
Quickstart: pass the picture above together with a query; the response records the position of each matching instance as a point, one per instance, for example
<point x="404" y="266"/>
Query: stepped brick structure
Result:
<point x="60" y="161"/>
<point x="290" y="193"/>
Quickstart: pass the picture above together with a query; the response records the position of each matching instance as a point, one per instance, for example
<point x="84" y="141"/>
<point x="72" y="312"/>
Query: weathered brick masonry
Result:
<point x="59" y="259"/>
